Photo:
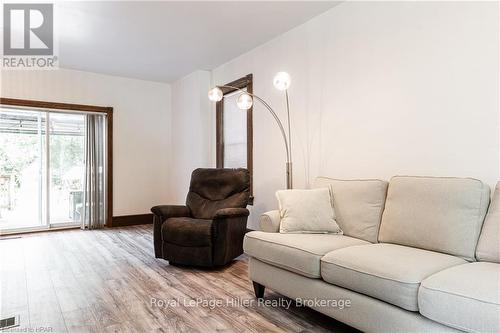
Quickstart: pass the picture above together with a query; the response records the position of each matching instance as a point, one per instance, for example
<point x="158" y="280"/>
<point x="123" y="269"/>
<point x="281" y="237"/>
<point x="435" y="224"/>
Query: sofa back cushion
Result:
<point x="214" y="189"/>
<point x="488" y="248"/>
<point x="437" y="214"/>
<point x="358" y="205"/>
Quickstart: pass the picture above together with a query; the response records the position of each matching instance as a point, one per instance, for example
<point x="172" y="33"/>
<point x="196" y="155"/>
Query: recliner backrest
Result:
<point x="214" y="189"/>
<point x="434" y="213"/>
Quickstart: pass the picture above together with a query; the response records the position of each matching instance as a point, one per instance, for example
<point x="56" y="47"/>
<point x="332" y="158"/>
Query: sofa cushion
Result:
<point x="186" y="231"/>
<point x="488" y="248"/>
<point x="466" y="297"/>
<point x="437" y="214"/>
<point x="358" y="205"/>
<point x="307" y="211"/>
<point x="299" y="253"/>
<point x="391" y="273"/>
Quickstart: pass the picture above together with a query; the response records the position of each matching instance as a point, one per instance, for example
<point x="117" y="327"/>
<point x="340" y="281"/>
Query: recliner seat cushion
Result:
<point x="391" y="273"/>
<point x="466" y="297"/>
<point x="358" y="205"/>
<point x="436" y="214"/>
<point x="299" y="253"/>
<point x="187" y="232"/>
<point x="488" y="247"/>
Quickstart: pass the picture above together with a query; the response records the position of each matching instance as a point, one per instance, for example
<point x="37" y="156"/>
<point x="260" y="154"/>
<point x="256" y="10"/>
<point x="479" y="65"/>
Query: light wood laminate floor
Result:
<point x="104" y="281"/>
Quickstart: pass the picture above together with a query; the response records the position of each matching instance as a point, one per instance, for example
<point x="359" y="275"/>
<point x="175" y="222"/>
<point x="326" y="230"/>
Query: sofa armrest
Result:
<point x="161" y="213"/>
<point x="270" y="221"/>
<point x="231" y="212"/>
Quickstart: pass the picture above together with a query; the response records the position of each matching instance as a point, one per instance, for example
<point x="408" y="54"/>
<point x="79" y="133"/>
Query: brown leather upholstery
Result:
<point x="209" y="230"/>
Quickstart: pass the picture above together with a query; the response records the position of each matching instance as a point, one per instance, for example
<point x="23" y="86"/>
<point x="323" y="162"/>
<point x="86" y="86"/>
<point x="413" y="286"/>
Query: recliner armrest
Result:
<point x="167" y="211"/>
<point x="231" y="212"/>
<point x="229" y="228"/>
<point x="161" y="213"/>
<point x="270" y="221"/>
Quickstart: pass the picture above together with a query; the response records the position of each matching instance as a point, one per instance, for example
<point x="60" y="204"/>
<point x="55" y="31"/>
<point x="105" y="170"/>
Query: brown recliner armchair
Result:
<point x="208" y="231"/>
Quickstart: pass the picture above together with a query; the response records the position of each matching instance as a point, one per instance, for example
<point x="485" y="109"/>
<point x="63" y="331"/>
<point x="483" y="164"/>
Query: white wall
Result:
<point x="141" y="132"/>
<point x="192" y="129"/>
<point x="379" y="89"/>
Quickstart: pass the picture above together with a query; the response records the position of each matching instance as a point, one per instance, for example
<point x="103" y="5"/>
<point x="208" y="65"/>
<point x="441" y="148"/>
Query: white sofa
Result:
<point x="415" y="256"/>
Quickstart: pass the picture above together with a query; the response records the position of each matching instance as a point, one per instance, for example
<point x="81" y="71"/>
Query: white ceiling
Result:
<point x="163" y="41"/>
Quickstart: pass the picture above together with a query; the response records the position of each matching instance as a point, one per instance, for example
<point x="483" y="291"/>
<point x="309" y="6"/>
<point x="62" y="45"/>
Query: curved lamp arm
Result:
<point x="278" y="121"/>
<point x="288" y="122"/>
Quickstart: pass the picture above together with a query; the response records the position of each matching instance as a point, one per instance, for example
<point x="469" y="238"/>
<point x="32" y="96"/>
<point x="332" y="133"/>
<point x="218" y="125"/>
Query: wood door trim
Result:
<point x="54" y="105"/>
<point x="86" y="108"/>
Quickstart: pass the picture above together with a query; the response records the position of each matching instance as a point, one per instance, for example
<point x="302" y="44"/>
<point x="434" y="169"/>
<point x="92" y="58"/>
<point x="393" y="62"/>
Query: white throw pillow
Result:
<point x="307" y="211"/>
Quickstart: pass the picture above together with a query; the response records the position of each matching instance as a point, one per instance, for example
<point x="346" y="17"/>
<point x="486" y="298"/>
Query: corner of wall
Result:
<point x="191" y="130"/>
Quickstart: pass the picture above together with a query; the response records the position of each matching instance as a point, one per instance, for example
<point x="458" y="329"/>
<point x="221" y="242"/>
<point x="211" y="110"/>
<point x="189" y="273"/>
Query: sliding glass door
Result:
<point x="22" y="168"/>
<point x="67" y="167"/>
<point x="42" y="168"/>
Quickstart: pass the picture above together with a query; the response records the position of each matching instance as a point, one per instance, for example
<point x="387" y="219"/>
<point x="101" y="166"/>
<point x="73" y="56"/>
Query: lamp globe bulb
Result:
<point x="282" y="81"/>
<point x="244" y="101"/>
<point x="215" y="94"/>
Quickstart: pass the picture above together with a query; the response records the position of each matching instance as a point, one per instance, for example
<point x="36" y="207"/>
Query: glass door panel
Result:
<point x="67" y="167"/>
<point x="22" y="161"/>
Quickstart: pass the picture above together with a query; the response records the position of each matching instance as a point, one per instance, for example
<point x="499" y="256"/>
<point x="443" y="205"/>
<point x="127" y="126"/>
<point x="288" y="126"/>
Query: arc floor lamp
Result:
<point x="244" y="101"/>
